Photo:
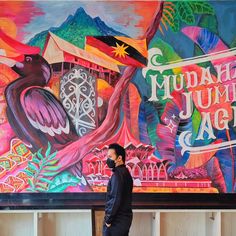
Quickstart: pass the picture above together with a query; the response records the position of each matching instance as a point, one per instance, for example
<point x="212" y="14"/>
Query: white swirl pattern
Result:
<point x="78" y="96"/>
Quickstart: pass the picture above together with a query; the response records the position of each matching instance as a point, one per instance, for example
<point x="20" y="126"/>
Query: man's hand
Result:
<point x="108" y="225"/>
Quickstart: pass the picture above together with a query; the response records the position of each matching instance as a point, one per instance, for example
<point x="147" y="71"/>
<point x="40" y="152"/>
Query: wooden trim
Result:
<point x="96" y="201"/>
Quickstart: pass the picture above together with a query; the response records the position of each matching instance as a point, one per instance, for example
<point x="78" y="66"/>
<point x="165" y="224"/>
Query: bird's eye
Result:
<point x="28" y="59"/>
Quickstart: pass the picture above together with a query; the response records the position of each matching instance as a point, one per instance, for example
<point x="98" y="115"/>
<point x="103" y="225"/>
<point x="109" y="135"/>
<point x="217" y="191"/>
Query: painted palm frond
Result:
<point x="167" y="16"/>
<point x="44" y="176"/>
<point x="201" y="8"/>
<point x="178" y="12"/>
<point x="41" y="169"/>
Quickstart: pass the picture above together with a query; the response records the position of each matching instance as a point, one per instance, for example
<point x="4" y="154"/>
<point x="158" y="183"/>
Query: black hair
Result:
<point x="120" y="151"/>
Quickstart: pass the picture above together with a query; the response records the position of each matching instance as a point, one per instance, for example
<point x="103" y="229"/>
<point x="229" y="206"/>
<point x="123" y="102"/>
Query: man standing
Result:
<point x="118" y="208"/>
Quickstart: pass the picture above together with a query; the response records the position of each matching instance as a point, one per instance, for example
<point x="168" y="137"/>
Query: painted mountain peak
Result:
<point x="75" y="28"/>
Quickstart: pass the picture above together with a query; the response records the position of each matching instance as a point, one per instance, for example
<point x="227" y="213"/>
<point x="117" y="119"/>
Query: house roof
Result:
<point x="55" y="47"/>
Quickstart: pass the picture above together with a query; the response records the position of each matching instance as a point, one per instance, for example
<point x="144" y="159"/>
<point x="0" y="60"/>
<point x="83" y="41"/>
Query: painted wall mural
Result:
<point x="155" y="76"/>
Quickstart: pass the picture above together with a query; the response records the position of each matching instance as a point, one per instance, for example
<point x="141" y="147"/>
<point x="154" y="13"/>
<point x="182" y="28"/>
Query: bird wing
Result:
<point x="44" y="111"/>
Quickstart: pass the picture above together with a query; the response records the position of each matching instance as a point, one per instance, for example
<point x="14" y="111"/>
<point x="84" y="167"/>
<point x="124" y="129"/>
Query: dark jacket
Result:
<point x="119" y="195"/>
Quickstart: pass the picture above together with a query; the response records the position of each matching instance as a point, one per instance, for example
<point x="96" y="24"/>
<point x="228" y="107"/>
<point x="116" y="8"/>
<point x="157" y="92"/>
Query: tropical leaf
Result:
<point x="167" y="15"/>
<point x="40" y="167"/>
<point x="40" y="189"/>
<point x="39" y="154"/>
<point x="49" y="174"/>
<point x="201" y="8"/>
<point x="196" y="117"/>
<point x="63" y="181"/>
<point x="52" y="156"/>
<point x="48" y="151"/>
<point x="29" y="190"/>
<point x="28" y="172"/>
<point x="52" y="168"/>
<point x="45" y="180"/>
<point x="176" y="12"/>
<point x="43" y="185"/>
<point x="53" y="162"/>
<point x="175" y="26"/>
<point x="33" y="167"/>
<point x="36" y="160"/>
<point x="61" y="188"/>
<point x="185" y="12"/>
<point x="31" y="183"/>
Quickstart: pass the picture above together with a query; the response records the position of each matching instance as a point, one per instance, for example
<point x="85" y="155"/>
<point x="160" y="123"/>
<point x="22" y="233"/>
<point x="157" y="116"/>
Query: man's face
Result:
<point x="112" y="154"/>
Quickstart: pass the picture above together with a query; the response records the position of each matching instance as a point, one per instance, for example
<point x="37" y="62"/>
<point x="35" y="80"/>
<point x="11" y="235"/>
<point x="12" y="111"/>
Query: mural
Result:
<point x="155" y="76"/>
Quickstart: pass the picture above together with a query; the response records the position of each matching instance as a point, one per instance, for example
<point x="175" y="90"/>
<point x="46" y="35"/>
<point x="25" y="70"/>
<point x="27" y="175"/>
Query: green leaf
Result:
<point x="41" y="167"/>
<point x="62" y="181"/>
<point x="48" y="150"/>
<point x="49" y="174"/>
<point x="36" y="160"/>
<point x="50" y="163"/>
<point x="45" y="180"/>
<point x="43" y="185"/>
<point x="52" y="168"/>
<point x="186" y="13"/>
<point x="175" y="27"/>
<point x="28" y="172"/>
<point x="52" y="156"/>
<point x="29" y="190"/>
<point x="39" y="154"/>
<point x="32" y="166"/>
<point x="31" y="183"/>
<point x="196" y="119"/>
<point x="202" y="8"/>
<point x="41" y="189"/>
<point x="61" y="188"/>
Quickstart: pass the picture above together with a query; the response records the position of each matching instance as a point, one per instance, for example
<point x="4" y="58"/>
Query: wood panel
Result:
<point x="228" y="225"/>
<point x="183" y="223"/>
<point x="99" y="216"/>
<point x="65" y="224"/>
<point x="15" y="224"/>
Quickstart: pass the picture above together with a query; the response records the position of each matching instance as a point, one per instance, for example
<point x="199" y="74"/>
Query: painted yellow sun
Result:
<point x="119" y="50"/>
<point x="8" y="26"/>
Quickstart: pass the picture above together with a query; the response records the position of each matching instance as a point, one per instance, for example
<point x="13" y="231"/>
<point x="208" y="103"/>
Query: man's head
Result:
<point x="116" y="153"/>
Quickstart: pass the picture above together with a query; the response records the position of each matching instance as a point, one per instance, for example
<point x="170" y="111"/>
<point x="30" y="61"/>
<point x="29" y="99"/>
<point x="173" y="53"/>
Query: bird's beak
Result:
<point x="10" y="60"/>
<point x="7" y="61"/>
<point x="18" y="68"/>
<point x="15" y="65"/>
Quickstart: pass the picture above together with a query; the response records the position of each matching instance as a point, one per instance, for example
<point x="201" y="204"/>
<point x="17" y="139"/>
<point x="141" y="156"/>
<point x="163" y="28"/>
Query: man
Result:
<point x="118" y="209"/>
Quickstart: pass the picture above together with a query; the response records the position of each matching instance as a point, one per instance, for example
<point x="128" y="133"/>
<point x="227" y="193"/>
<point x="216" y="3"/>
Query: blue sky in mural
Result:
<point x="55" y="13"/>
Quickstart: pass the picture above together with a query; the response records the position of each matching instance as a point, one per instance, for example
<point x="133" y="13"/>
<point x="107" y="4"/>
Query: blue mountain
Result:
<point x="75" y="28"/>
